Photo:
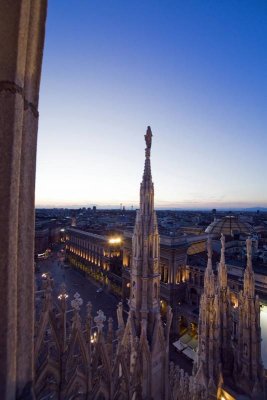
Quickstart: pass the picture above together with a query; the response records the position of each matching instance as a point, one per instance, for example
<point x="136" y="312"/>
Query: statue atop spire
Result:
<point x="148" y="139"/>
<point x="147" y="187"/>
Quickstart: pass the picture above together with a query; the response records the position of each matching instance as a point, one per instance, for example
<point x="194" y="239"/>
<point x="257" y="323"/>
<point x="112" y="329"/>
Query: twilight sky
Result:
<point x="195" y="70"/>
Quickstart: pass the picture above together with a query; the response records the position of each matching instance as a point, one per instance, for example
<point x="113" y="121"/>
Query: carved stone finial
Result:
<point x="89" y="309"/>
<point x="47" y="286"/>
<point x="120" y="316"/>
<point x="77" y="302"/>
<point x="148" y="137"/>
<point x="63" y="288"/>
<point x="99" y="320"/>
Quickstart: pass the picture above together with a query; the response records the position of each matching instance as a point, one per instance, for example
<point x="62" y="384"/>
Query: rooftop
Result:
<point x="229" y="226"/>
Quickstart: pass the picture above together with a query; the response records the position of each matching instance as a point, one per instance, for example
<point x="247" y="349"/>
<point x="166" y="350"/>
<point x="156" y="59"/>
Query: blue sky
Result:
<point x="196" y="71"/>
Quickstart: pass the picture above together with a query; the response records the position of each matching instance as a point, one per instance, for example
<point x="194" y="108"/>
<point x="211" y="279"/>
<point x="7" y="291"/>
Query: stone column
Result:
<point x="22" y="25"/>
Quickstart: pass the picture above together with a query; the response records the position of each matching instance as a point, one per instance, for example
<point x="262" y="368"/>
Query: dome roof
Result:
<point x="229" y="226"/>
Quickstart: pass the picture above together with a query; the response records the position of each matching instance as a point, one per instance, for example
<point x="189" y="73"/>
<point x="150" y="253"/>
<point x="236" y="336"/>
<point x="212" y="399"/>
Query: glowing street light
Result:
<point x="63" y="296"/>
<point x="93" y="338"/>
<point x="115" y="240"/>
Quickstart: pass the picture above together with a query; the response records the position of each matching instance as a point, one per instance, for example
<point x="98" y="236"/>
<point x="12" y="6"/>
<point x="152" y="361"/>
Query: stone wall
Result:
<point x="22" y="25"/>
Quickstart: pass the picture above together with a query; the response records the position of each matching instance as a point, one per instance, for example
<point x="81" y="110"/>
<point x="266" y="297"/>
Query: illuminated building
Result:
<point x="107" y="258"/>
<point x="98" y="256"/>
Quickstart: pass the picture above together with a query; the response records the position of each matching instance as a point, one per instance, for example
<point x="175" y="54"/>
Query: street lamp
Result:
<point x="63" y="296"/>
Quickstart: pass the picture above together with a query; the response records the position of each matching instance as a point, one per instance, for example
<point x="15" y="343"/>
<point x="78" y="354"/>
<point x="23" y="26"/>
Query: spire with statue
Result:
<point x="144" y="325"/>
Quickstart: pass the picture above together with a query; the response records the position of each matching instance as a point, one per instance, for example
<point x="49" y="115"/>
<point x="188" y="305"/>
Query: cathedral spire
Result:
<point x="209" y="251"/>
<point x="249" y="280"/>
<point x="249" y="373"/>
<point x="222" y="270"/>
<point x="222" y="261"/>
<point x="145" y="277"/>
<point x="144" y="326"/>
<point x="209" y="274"/>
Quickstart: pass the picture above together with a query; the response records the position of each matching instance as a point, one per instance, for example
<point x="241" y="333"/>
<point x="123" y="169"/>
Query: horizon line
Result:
<point x="171" y="207"/>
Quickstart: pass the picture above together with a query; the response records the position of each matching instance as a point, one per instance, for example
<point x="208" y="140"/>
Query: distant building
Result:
<point x="47" y="233"/>
<point x="229" y="225"/>
<point x="41" y="239"/>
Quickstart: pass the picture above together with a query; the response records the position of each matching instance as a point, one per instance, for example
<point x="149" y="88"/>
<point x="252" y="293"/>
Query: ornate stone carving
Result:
<point x="77" y="302"/>
<point x="99" y="320"/>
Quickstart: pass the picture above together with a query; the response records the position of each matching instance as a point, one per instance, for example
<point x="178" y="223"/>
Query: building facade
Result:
<point x="97" y="256"/>
<point x="107" y="259"/>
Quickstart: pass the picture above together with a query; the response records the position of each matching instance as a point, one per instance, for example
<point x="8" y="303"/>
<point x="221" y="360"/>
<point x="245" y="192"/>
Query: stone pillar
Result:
<point x="22" y="25"/>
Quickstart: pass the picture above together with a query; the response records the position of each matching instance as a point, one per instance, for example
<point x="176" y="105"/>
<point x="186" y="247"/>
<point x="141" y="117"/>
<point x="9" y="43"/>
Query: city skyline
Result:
<point x="168" y="206"/>
<point x="195" y="72"/>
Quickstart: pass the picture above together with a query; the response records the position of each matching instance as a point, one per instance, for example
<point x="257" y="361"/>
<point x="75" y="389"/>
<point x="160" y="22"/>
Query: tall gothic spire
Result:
<point x="145" y="277"/>
<point x="209" y="251"/>
<point x="144" y="326"/>
<point x="207" y="357"/>
<point x="222" y="270"/>
<point x="248" y="369"/>
<point x="249" y="280"/>
<point x="209" y="274"/>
